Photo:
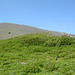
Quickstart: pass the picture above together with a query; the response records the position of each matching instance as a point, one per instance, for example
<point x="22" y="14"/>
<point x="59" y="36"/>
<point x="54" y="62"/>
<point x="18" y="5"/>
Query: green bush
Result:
<point x="50" y="66"/>
<point x="9" y="32"/>
<point x="33" y="41"/>
<point x="58" y="41"/>
<point x="37" y="49"/>
<point x="32" y="68"/>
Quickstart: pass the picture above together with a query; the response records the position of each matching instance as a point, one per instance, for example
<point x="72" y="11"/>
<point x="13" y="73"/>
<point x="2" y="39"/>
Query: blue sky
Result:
<point x="55" y="15"/>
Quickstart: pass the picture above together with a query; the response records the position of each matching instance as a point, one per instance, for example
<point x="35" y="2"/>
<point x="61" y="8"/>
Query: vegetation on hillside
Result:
<point x="37" y="54"/>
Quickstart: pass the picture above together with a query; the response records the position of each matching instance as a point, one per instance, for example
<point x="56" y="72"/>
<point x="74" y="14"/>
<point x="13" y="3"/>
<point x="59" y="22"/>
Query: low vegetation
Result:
<point x="37" y="54"/>
<point x="9" y="32"/>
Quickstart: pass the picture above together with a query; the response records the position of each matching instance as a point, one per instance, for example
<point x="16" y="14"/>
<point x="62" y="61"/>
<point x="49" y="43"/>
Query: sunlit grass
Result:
<point x="37" y="54"/>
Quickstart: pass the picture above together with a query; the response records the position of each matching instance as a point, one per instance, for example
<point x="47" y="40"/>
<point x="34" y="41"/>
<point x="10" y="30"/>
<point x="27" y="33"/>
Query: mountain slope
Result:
<point x="9" y="30"/>
<point x="37" y="54"/>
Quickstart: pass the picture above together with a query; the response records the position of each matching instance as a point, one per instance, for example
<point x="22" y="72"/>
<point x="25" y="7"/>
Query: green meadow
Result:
<point x="37" y="54"/>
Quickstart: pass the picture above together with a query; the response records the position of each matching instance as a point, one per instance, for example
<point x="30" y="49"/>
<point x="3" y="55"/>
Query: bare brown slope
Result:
<point x="17" y="30"/>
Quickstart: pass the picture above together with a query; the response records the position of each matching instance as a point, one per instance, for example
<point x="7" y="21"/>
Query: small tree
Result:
<point x="9" y="32"/>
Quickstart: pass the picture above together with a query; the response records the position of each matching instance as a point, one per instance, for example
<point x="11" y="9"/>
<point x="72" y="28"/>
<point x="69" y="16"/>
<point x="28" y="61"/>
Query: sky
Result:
<point x="53" y="15"/>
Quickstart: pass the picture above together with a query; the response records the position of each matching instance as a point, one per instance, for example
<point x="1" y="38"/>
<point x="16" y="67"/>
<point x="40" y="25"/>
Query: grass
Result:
<point x="37" y="54"/>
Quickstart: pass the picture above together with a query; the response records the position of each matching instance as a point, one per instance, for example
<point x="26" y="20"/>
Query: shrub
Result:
<point x="32" y="68"/>
<point x="9" y="32"/>
<point x="33" y="41"/>
<point x="58" y="41"/>
<point x="50" y="66"/>
<point x="38" y="49"/>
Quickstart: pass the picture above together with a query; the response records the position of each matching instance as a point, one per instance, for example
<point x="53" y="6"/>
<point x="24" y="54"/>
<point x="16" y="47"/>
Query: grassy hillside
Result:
<point x="37" y="54"/>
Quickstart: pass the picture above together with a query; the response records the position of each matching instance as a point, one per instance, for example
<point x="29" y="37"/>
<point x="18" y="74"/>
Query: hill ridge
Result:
<point x="11" y="30"/>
